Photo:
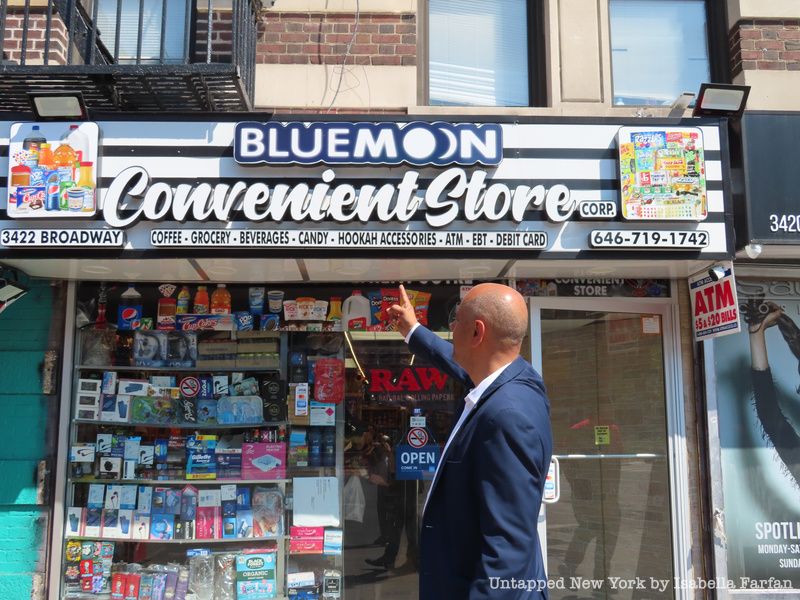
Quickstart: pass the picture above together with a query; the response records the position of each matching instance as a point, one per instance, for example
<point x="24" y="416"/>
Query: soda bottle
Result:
<point x="63" y="191"/>
<point x="34" y="141"/>
<point x="184" y="299"/>
<point x="64" y="158"/>
<point x="129" y="314"/>
<point x="221" y="300"/>
<point x="46" y="158"/>
<point x="201" y="301"/>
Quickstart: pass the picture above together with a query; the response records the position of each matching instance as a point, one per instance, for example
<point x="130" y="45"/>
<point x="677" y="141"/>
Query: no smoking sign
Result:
<point x="190" y="387"/>
<point x="417" y="437"/>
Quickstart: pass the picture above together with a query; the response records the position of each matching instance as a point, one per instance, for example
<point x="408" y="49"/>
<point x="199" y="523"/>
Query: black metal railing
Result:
<point x="131" y="32"/>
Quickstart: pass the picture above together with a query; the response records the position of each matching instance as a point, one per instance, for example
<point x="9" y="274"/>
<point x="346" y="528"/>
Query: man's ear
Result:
<point x="478" y="333"/>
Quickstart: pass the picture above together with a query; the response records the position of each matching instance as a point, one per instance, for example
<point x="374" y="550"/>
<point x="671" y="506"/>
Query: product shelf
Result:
<point x="375" y="336"/>
<point x="157" y="482"/>
<point x="129" y="369"/>
<point x="197" y="426"/>
<point x="264" y="355"/>
<point x="278" y="538"/>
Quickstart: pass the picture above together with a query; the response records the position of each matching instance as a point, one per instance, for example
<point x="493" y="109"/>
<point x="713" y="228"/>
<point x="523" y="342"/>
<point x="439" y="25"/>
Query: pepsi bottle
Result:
<point x="129" y="315"/>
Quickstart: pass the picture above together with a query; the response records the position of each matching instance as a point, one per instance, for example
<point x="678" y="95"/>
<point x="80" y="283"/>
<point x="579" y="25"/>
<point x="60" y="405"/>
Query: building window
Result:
<point x="659" y="49"/>
<point x="153" y="11"/>
<point x="479" y="53"/>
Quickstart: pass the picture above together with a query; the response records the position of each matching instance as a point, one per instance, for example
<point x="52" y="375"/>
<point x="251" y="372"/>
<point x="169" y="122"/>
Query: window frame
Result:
<point x="717" y="45"/>
<point x="536" y="54"/>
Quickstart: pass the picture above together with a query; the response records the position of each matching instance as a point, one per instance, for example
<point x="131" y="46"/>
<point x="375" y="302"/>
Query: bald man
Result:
<point x="479" y="538"/>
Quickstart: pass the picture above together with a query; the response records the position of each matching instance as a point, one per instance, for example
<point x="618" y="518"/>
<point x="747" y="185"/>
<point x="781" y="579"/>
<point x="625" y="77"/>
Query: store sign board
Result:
<point x="417" y="143"/>
<point x="59" y="238"/>
<point x="452" y="195"/>
<point x="551" y="189"/>
<point x="347" y="238"/>
<point x="51" y="170"/>
<point x="771" y="192"/>
<point x="715" y="311"/>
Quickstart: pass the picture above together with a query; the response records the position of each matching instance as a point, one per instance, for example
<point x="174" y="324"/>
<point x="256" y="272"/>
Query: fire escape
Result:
<point x="130" y="55"/>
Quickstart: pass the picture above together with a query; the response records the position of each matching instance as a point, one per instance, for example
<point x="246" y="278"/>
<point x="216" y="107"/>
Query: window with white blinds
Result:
<point x="478" y="52"/>
<point x="175" y="32"/>
<point x="659" y="49"/>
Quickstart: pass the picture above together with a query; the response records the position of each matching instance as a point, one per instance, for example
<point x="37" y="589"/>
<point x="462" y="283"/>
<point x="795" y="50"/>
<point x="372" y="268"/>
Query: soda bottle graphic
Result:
<point x="33" y="142"/>
<point x="46" y="158"/>
<point x="221" y="300"/>
<point x="129" y="315"/>
<point x="184" y="299"/>
<point x="201" y="303"/>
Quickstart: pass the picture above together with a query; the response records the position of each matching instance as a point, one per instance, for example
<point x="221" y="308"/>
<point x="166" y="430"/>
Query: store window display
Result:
<point x="256" y="448"/>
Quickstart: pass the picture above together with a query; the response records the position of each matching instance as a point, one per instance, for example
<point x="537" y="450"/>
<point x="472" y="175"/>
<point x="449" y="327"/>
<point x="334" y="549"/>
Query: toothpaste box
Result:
<point x="264" y="460"/>
<point x="306" y="540"/>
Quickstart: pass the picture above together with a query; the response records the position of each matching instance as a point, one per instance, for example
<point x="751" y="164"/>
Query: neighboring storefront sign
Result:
<point x="552" y="189"/>
<point x="769" y="210"/>
<point x="51" y="174"/>
<point x="601" y="288"/>
<point x="715" y="311"/>
<point x="757" y="385"/>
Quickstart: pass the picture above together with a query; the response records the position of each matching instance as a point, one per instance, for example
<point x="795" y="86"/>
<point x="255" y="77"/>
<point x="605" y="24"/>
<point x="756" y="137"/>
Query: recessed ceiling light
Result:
<point x="220" y="270"/>
<point x="96" y="269"/>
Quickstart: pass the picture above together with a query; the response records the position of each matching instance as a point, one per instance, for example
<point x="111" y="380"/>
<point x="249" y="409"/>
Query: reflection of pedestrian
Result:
<point x="396" y="508"/>
<point x="780" y="432"/>
<point x="594" y="487"/>
<point x="378" y="456"/>
<point x="479" y="524"/>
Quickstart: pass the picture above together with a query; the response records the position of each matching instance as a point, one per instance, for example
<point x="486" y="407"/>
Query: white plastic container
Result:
<point x="78" y="141"/>
<point x="356" y="313"/>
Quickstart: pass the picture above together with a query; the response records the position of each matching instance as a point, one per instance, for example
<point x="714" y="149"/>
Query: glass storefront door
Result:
<point x="605" y="376"/>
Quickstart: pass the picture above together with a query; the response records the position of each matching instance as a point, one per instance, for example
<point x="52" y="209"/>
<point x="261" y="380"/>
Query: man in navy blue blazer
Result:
<point x="479" y="538"/>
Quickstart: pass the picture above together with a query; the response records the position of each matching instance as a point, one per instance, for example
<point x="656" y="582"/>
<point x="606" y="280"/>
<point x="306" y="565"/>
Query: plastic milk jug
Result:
<point x="356" y="312"/>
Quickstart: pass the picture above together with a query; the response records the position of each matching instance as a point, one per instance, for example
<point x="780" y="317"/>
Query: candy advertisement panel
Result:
<point x="52" y="170"/>
<point x="662" y="174"/>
